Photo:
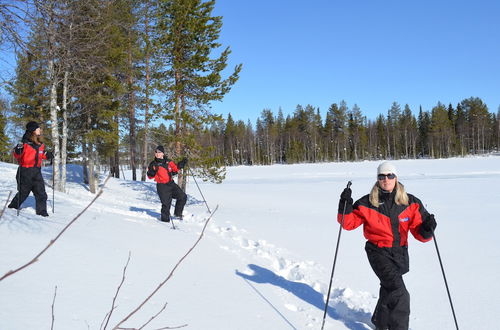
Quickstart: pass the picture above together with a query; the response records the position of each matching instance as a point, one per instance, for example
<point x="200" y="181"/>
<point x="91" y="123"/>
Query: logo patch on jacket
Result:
<point x="404" y="219"/>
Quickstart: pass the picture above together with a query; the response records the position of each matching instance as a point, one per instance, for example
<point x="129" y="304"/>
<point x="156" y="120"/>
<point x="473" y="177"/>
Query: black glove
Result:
<point x="152" y="171"/>
<point x="428" y="226"/>
<point x="182" y="163"/>
<point x="49" y="155"/>
<point x="346" y="199"/>
<point x="19" y="148"/>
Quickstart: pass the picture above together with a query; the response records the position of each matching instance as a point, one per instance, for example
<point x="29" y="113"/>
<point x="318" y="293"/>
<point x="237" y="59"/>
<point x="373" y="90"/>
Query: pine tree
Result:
<point x="393" y="138"/>
<point x="280" y="127"/>
<point x="187" y="35"/>
<point x="101" y="86"/>
<point x="408" y="125"/>
<point x="478" y="117"/>
<point x="30" y="84"/>
<point x="269" y="133"/>
<point x="382" y="137"/>
<point x="229" y="140"/>
<point x="424" y="122"/>
<point x="341" y="118"/>
<point x="355" y="130"/>
<point x="331" y="131"/>
<point x="461" y="128"/>
<point x="128" y="17"/>
<point x="148" y="24"/>
<point x="441" y="131"/>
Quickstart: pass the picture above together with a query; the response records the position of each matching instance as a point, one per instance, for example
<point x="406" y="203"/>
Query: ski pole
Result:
<point x="199" y="190"/>
<point x="18" y="189"/>
<point x="444" y="277"/>
<point x="334" y="260"/>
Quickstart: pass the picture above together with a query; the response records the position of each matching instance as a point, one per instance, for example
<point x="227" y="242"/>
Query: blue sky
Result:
<point x="369" y="52"/>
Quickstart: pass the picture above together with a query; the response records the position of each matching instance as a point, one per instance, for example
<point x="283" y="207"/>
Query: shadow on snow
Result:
<point x="152" y="214"/>
<point x="351" y="318"/>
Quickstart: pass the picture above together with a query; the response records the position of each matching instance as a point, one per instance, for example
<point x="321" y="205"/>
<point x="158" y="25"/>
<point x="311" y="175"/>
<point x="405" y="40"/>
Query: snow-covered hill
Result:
<point x="265" y="259"/>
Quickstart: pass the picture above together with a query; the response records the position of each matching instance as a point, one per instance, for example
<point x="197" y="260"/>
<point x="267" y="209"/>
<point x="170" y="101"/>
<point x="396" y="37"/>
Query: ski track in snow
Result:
<point x="296" y="278"/>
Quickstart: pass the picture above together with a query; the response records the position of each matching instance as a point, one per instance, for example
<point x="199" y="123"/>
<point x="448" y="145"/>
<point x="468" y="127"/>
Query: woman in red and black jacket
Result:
<point x="387" y="214"/>
<point x="29" y="154"/>
<point x="162" y="170"/>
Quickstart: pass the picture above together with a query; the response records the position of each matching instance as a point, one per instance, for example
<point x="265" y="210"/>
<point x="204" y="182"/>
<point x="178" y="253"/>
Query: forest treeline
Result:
<point x="345" y="134"/>
<point x="108" y="80"/>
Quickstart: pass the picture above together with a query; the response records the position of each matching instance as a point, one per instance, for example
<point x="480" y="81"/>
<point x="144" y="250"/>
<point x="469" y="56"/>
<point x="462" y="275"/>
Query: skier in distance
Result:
<point x="162" y="169"/>
<point x="29" y="153"/>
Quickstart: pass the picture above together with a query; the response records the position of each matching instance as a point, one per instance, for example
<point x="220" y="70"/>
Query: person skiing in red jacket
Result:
<point x="162" y="170"/>
<point x="29" y="154"/>
<point x="387" y="214"/>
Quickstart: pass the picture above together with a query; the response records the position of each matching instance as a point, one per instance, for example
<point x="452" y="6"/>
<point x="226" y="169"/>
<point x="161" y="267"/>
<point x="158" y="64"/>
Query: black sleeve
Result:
<point x="182" y="163"/>
<point x="428" y="226"/>
<point x="348" y="206"/>
<point x="428" y="222"/>
<point x="151" y="172"/>
<point x="19" y="148"/>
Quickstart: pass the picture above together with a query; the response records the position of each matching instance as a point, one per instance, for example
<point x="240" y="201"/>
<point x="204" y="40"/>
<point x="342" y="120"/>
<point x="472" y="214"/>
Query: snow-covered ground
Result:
<point x="265" y="259"/>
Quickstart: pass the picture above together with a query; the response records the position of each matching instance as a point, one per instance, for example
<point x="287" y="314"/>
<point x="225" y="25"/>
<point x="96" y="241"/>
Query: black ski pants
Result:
<point x="393" y="307"/>
<point x="167" y="191"/>
<point x="29" y="179"/>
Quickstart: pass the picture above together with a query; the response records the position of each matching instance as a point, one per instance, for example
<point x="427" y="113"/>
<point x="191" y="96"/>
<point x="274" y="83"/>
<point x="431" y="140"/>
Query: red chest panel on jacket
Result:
<point x="31" y="157"/>
<point x="385" y="228"/>
<point x="164" y="173"/>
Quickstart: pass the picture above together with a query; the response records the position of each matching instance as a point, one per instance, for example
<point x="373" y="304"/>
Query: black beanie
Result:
<point x="160" y="148"/>
<point x="32" y="126"/>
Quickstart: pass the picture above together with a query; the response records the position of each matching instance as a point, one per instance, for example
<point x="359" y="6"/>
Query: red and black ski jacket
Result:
<point x="388" y="224"/>
<point x="162" y="170"/>
<point x="31" y="155"/>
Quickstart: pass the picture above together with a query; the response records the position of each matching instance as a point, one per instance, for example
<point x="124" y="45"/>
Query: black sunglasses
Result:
<point x="388" y="176"/>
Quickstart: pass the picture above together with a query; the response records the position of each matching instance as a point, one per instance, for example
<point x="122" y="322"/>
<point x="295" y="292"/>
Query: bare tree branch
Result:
<point x="154" y="316"/>
<point x="53" y="302"/>
<point x="116" y="294"/>
<point x="169" y="275"/>
<point x="35" y="259"/>
<point x="14" y="14"/>
<point x="178" y="327"/>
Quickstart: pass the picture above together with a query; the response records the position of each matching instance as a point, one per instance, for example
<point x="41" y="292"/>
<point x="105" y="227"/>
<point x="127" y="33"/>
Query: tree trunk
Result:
<point x="146" y="109"/>
<point x="182" y="177"/>
<point x="85" y="162"/>
<point x="131" y="106"/>
<point x="179" y="110"/>
<point x="64" y="137"/>
<point x="54" y="124"/>
<point x="92" y="179"/>
<point x="116" y="162"/>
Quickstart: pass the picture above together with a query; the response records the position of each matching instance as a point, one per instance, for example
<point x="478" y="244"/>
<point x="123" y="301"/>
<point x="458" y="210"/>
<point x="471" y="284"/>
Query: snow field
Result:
<point x="266" y="257"/>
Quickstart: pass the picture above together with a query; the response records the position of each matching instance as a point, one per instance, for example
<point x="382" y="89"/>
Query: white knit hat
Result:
<point x="386" y="168"/>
